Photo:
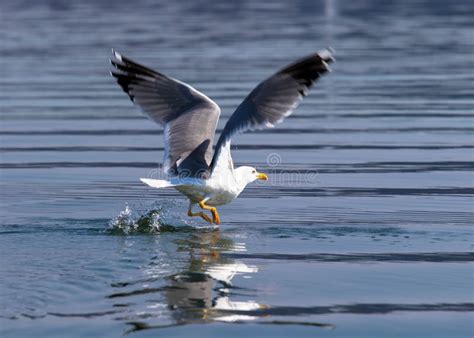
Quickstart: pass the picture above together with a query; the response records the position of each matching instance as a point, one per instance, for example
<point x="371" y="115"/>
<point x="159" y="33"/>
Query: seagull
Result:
<point x="189" y="119"/>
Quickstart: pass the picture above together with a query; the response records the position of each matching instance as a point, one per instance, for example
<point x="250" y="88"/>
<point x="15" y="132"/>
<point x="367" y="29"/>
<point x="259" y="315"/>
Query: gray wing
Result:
<point x="274" y="99"/>
<point x="189" y="117"/>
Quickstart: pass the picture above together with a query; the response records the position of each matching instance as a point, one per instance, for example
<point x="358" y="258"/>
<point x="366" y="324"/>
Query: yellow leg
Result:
<point x="215" y="215"/>
<point x="200" y="214"/>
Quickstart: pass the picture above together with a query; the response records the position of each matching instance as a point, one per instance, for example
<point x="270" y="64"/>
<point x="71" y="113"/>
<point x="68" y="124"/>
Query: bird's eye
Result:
<point x="254" y="171"/>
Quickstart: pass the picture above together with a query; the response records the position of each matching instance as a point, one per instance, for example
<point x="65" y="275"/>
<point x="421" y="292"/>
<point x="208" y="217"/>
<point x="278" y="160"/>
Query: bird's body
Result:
<point x="215" y="192"/>
<point x="190" y="118"/>
<point x="195" y="189"/>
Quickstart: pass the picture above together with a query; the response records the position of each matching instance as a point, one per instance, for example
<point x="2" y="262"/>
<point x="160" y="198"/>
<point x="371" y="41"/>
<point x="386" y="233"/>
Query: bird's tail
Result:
<point x="157" y="183"/>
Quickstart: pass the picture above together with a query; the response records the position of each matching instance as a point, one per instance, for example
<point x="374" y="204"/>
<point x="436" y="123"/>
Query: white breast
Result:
<point x="221" y="188"/>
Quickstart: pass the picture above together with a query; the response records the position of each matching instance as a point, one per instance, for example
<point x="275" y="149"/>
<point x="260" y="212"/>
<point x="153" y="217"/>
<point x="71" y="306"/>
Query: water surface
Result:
<point x="363" y="230"/>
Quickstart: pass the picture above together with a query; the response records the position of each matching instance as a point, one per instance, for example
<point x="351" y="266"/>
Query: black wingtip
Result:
<point x="327" y="55"/>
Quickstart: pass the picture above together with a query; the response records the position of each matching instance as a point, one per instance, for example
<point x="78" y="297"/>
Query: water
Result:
<point x="363" y="230"/>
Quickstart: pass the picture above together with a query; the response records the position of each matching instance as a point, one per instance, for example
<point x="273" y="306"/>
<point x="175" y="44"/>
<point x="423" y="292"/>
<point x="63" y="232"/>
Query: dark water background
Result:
<point x="364" y="229"/>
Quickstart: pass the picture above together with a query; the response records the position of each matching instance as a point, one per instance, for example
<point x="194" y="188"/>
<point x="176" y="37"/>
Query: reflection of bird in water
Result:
<point x="201" y="291"/>
<point x="190" y="118"/>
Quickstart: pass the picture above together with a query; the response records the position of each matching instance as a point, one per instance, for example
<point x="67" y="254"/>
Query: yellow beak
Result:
<point x="262" y="176"/>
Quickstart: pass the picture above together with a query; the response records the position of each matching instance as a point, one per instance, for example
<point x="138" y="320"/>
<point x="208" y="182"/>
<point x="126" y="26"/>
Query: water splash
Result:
<point x="154" y="219"/>
<point x="160" y="217"/>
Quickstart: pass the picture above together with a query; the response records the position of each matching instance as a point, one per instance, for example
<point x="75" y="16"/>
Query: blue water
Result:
<point x="363" y="230"/>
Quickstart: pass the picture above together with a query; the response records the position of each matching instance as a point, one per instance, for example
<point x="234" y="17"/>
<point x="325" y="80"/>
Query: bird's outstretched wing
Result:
<point x="189" y="117"/>
<point x="272" y="100"/>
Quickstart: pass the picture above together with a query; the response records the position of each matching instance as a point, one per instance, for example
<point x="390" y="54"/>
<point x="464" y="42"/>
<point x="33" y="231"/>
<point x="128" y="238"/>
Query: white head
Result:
<point x="245" y="175"/>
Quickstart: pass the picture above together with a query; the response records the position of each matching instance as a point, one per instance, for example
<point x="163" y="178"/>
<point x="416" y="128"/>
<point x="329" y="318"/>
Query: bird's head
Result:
<point x="246" y="175"/>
